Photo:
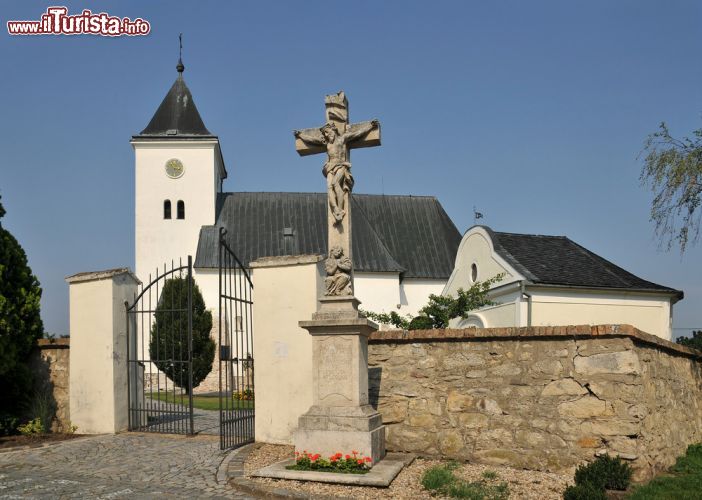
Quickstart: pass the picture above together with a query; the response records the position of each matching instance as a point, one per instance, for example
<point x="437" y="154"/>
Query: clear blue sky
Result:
<point x="534" y="112"/>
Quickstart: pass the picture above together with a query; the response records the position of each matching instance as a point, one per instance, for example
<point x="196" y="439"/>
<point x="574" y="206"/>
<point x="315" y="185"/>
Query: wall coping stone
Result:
<point x="62" y="343"/>
<point x="533" y="332"/>
<point x="101" y="275"/>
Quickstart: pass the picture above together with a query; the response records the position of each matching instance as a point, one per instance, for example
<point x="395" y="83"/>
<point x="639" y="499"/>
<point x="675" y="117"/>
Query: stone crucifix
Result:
<point x="337" y="137"/>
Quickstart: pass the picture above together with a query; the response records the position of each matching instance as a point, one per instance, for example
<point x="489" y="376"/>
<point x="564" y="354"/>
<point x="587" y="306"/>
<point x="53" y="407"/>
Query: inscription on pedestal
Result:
<point x="334" y="370"/>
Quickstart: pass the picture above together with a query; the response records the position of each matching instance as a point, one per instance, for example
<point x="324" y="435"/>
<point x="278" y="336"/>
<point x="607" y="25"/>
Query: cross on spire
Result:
<point x="180" y="66"/>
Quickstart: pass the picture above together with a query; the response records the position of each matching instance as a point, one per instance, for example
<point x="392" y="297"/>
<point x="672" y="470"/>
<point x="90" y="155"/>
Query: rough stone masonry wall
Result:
<point x="542" y="398"/>
<point x="49" y="363"/>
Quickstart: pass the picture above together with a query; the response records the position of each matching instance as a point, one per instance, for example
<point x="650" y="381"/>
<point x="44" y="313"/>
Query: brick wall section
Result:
<point x="49" y="363"/>
<point x="545" y="398"/>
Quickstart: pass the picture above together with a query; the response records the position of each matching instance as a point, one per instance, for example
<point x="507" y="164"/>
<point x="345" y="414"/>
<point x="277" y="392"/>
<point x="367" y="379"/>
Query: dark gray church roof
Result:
<point x="557" y="260"/>
<point x="177" y="115"/>
<point x="408" y="234"/>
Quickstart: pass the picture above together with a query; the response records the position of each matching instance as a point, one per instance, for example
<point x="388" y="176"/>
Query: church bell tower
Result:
<point x="178" y="172"/>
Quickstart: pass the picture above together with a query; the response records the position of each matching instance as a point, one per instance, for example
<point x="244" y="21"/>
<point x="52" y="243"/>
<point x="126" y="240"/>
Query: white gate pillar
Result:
<point x="98" y="362"/>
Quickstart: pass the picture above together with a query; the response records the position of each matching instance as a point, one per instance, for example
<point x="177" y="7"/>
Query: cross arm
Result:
<point x="364" y="134"/>
<point x="309" y="141"/>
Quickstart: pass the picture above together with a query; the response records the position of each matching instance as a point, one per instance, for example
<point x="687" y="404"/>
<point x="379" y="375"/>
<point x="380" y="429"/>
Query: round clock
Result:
<point x="174" y="168"/>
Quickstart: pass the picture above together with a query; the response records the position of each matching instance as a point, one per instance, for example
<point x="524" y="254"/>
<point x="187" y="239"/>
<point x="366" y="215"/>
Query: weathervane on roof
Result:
<point x="180" y="66"/>
<point x="476" y="215"/>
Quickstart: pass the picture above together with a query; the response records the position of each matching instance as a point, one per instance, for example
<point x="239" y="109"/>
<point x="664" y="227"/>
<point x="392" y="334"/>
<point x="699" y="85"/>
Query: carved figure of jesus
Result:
<point x="337" y="168"/>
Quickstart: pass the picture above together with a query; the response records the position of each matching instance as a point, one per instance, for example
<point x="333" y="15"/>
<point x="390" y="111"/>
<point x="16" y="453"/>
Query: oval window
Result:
<point x="474" y="272"/>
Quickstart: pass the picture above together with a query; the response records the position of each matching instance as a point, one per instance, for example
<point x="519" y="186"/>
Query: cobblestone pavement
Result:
<point x="126" y="465"/>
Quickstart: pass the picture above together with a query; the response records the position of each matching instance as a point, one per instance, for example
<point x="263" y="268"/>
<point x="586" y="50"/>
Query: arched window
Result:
<point x="167" y="209"/>
<point x="181" y="209"/>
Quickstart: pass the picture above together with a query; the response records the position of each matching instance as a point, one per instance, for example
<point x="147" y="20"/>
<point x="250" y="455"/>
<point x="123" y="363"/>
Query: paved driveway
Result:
<point x="117" y="466"/>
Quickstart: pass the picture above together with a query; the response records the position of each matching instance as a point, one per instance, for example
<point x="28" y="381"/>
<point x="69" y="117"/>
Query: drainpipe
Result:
<point x="528" y="297"/>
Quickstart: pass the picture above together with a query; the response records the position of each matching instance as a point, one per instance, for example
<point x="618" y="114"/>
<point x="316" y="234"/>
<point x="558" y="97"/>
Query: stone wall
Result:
<point x="543" y="398"/>
<point x="49" y="363"/>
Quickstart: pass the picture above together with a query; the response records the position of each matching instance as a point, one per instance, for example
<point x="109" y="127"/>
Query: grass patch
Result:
<point x="440" y="480"/>
<point x="205" y="402"/>
<point x="684" y="481"/>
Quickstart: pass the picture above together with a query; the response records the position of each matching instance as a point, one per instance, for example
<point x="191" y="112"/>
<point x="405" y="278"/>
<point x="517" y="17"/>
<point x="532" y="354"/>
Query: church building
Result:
<point x="553" y="281"/>
<point x="403" y="246"/>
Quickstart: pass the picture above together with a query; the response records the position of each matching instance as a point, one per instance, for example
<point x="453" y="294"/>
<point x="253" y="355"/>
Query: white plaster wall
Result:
<point x="98" y="361"/>
<point x="158" y="240"/>
<point x="504" y="313"/>
<point x="378" y="292"/>
<point x="414" y="293"/>
<point x="649" y="313"/>
<point x="208" y="282"/>
<point x="476" y="247"/>
<point x="286" y="292"/>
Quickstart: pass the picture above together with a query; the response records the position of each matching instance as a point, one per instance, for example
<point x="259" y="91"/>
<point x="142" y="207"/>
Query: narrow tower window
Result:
<point x="181" y="209"/>
<point x="167" y="209"/>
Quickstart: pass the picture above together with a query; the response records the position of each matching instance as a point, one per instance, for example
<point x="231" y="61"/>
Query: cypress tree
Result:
<point x="168" y="347"/>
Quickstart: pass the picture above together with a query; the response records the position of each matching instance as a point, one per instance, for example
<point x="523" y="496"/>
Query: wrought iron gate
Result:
<point x="159" y="347"/>
<point x="236" y="350"/>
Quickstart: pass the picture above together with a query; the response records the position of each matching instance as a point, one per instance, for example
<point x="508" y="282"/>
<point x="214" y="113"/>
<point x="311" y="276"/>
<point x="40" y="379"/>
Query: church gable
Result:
<point x="477" y="260"/>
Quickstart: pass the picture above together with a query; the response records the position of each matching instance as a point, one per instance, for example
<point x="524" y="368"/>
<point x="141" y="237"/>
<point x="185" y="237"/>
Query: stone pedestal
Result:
<point x="340" y="418"/>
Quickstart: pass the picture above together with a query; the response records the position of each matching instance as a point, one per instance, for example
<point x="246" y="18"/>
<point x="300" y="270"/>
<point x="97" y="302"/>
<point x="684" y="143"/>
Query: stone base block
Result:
<point x="341" y="418"/>
<point x="381" y="475"/>
<point x="327" y="443"/>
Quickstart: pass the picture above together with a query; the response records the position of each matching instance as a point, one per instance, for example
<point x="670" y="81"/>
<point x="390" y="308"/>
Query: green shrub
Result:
<point x="43" y="407"/>
<point x="605" y="473"/>
<point x="8" y="424"/>
<point x="584" y="491"/>
<point x="31" y="428"/>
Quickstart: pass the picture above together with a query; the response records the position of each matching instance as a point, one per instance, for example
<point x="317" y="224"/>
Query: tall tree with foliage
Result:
<point x="441" y="308"/>
<point x="673" y="171"/>
<point x="168" y="347"/>
<point x="695" y="341"/>
<point x="20" y="322"/>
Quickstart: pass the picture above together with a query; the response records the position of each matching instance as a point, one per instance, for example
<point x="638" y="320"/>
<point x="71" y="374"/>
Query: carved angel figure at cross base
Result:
<point x="338" y="268"/>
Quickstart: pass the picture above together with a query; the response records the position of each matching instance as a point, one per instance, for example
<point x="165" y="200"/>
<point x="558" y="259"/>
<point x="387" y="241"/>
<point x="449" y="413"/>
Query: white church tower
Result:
<point x="178" y="172"/>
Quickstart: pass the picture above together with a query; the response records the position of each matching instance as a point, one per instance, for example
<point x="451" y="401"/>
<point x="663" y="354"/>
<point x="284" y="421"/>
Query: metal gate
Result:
<point x="159" y="347"/>
<point x="236" y="350"/>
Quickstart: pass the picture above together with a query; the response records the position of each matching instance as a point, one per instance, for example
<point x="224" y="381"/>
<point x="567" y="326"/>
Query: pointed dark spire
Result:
<point x="179" y="67"/>
<point x="177" y="115"/>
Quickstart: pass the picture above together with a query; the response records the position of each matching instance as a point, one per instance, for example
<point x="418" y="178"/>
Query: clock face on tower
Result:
<point x="174" y="168"/>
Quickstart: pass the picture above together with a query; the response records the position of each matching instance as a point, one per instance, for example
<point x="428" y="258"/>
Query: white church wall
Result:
<point x="378" y="292"/>
<point x="505" y="313"/>
<point x="414" y="293"/>
<point x="159" y="240"/>
<point x="648" y="312"/>
<point x="208" y="282"/>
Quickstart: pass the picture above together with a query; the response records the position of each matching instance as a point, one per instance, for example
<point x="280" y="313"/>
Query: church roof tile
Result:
<point x="406" y="234"/>
<point x="558" y="260"/>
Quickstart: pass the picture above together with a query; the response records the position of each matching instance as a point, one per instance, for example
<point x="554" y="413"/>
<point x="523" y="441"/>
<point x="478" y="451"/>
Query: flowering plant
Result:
<point x="353" y="463"/>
